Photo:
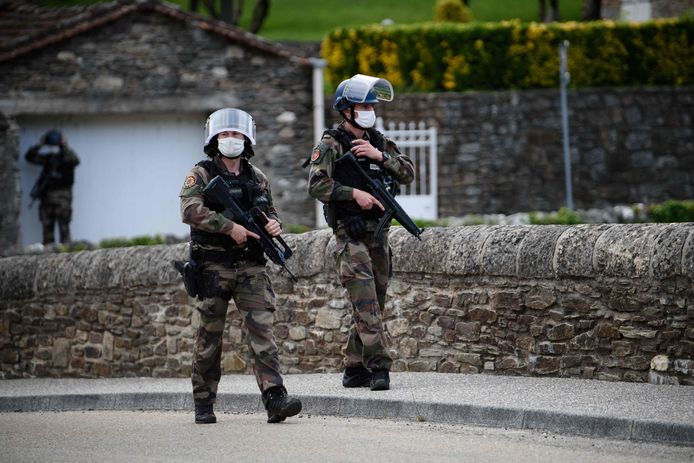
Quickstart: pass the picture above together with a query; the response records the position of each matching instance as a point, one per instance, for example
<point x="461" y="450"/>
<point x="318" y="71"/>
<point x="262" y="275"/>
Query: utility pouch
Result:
<point x="329" y="214"/>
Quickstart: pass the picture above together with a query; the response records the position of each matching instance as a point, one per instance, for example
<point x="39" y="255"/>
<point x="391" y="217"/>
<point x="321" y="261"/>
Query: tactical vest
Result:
<point x="59" y="174"/>
<point x="246" y="187"/>
<point x="347" y="175"/>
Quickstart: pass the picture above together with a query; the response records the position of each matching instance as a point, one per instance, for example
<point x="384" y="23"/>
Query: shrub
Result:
<point x="672" y="211"/>
<point x="136" y="241"/>
<point x="564" y="216"/>
<point x="297" y="228"/>
<point x="453" y="11"/>
<point x="510" y="54"/>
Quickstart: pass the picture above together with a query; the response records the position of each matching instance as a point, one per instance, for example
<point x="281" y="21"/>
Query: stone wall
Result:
<point x="150" y="63"/>
<point x="501" y="152"/>
<point x="612" y="9"/>
<point x="612" y="302"/>
<point x="671" y="8"/>
<point x="9" y="178"/>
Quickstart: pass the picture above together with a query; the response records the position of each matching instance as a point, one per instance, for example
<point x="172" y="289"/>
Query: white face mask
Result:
<point x="365" y="119"/>
<point x="230" y="147"/>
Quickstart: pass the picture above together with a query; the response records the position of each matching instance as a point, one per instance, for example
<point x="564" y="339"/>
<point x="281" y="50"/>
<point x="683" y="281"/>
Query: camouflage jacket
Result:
<point x="193" y="210"/>
<point x="323" y="187"/>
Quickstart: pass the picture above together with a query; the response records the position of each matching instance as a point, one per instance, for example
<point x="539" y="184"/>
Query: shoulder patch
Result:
<point x="190" y="181"/>
<point x="318" y="152"/>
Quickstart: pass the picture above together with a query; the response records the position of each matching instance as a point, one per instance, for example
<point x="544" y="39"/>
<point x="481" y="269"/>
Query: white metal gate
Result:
<point x="419" y="198"/>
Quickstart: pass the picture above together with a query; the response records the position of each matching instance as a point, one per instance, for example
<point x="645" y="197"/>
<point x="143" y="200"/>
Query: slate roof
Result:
<point x="26" y="27"/>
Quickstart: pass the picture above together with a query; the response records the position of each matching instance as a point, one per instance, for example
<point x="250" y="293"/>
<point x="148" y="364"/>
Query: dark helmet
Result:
<point x="361" y="89"/>
<point x="53" y="137"/>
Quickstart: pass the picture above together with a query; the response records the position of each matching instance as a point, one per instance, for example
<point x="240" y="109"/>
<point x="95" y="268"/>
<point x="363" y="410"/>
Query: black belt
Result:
<point x="231" y="256"/>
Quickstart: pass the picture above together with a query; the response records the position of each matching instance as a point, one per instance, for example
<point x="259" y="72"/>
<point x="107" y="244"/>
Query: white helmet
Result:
<point x="229" y="119"/>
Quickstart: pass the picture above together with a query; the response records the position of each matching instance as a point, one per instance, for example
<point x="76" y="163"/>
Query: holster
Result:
<point x="188" y="271"/>
<point x="191" y="273"/>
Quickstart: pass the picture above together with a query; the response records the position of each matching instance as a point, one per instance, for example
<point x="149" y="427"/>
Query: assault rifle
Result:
<point x="393" y="210"/>
<point x="38" y="188"/>
<point x="49" y="172"/>
<point x="253" y="220"/>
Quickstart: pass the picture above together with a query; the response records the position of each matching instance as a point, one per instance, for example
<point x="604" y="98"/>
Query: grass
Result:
<point x="310" y="20"/>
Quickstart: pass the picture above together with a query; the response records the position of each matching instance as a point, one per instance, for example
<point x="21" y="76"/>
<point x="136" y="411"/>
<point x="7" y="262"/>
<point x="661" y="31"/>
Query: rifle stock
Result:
<point x="393" y="210"/>
<point x="253" y="220"/>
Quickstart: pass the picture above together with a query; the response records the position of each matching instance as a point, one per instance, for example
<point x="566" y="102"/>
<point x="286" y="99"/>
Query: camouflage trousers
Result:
<point x="248" y="284"/>
<point x="56" y="205"/>
<point x="364" y="269"/>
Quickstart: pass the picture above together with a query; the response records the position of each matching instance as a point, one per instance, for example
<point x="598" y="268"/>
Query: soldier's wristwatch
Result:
<point x="385" y="156"/>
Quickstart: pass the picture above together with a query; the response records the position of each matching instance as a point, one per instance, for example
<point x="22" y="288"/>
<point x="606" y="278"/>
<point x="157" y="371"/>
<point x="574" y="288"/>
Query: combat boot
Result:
<point x="204" y="414"/>
<point x="356" y="377"/>
<point x="380" y="379"/>
<point x="279" y="405"/>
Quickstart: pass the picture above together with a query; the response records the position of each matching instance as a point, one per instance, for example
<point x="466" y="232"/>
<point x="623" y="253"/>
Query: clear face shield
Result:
<point x="230" y="119"/>
<point x="358" y="88"/>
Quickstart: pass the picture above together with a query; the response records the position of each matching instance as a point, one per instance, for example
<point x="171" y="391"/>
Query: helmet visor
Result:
<point x="358" y="88"/>
<point x="230" y="119"/>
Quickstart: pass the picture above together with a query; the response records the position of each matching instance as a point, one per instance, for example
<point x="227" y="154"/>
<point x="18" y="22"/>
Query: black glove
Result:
<point x="355" y="226"/>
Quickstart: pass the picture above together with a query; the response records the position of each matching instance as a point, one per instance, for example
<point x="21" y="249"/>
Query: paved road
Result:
<point x="630" y="411"/>
<point x="123" y="436"/>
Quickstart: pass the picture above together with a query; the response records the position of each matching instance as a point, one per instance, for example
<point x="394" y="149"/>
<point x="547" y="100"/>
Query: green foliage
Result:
<point x="453" y="11"/>
<point x="296" y="228"/>
<point x="564" y="216"/>
<point x="314" y="19"/>
<point x="672" y="211"/>
<point x="76" y="247"/>
<point x="136" y="241"/>
<point x="423" y="223"/>
<point x="455" y="57"/>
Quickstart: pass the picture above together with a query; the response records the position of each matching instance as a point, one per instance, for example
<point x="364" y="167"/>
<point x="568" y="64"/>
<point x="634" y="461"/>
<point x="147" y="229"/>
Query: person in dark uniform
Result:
<point x="53" y="188"/>
<point x="363" y="260"/>
<point x="232" y="265"/>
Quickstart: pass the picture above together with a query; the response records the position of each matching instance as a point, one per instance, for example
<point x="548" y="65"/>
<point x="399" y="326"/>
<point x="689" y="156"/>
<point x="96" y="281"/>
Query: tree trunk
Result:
<point x="230" y="11"/>
<point x="555" y="10"/>
<point x="592" y="10"/>
<point x="237" y="12"/>
<point x="209" y="4"/>
<point x="193" y="6"/>
<point x="225" y="11"/>
<point x="260" y="11"/>
<point x="543" y="11"/>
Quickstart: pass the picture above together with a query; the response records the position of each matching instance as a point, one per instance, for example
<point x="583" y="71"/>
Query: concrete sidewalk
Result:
<point x="616" y="410"/>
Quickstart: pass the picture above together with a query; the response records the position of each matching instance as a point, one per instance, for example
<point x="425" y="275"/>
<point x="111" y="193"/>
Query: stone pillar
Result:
<point x="9" y="179"/>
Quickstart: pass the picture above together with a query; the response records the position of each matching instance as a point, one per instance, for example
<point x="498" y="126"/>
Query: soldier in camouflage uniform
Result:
<point x="363" y="262"/>
<point x="232" y="265"/>
<point x="54" y="187"/>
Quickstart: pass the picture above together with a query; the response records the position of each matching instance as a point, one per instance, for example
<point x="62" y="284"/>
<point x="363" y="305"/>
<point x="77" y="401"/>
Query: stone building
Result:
<point x="640" y="10"/>
<point x="131" y="83"/>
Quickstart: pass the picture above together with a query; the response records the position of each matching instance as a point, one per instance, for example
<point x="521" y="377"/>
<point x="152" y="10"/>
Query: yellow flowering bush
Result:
<point x="511" y="54"/>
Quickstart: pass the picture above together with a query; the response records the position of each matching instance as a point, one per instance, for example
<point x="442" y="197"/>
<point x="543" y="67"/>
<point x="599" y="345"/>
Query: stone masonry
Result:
<point x="501" y="152"/>
<point x="610" y="302"/>
<point x="9" y="178"/>
<point x="159" y="59"/>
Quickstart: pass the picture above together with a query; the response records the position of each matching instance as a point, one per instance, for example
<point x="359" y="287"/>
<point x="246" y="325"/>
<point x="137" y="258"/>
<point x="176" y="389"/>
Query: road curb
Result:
<point x="467" y="414"/>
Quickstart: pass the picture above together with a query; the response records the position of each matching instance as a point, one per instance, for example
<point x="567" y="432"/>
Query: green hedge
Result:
<point x="511" y="54"/>
<point x="672" y="211"/>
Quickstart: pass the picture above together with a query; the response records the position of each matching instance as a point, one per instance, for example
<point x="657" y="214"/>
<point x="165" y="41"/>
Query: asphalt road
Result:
<point x="123" y="436"/>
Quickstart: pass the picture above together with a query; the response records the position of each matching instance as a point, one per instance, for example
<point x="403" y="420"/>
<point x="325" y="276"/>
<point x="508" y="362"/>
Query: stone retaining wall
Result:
<point x="501" y="152"/>
<point x="612" y="302"/>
